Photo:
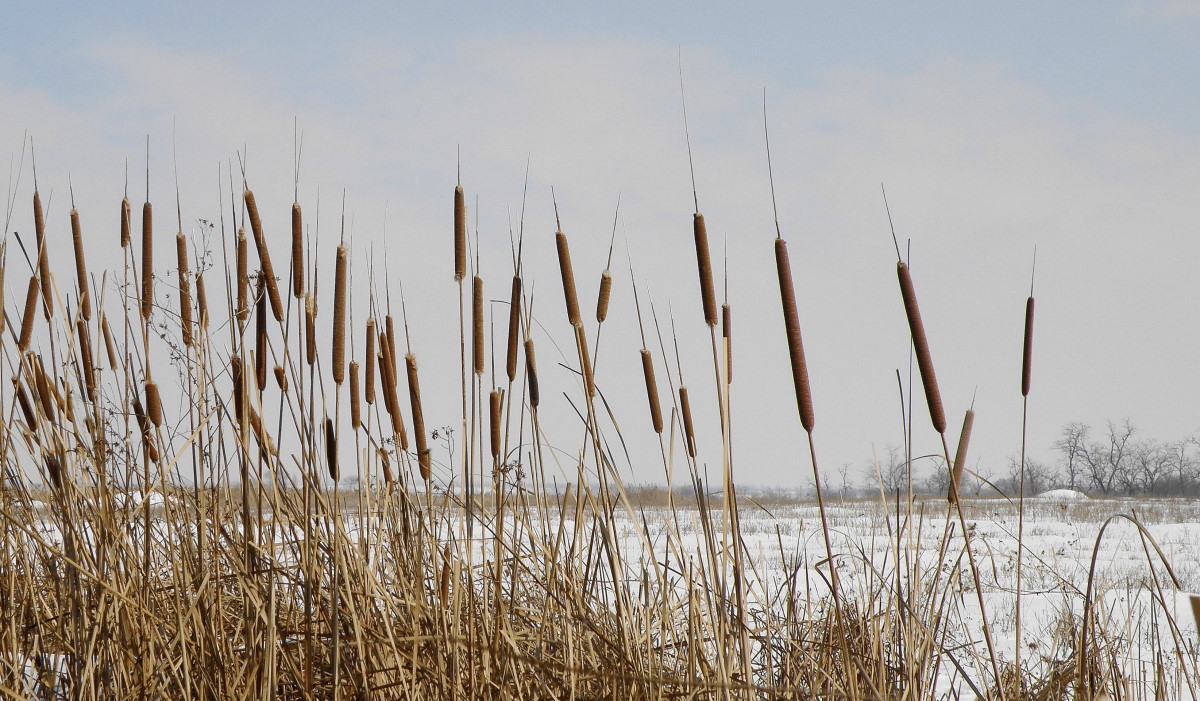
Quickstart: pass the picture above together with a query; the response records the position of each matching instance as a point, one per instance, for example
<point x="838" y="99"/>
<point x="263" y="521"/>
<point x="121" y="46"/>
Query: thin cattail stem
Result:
<point x="243" y="276"/>
<point x="602" y="297"/>
<point x="418" y="416"/>
<point x="791" y="321"/>
<point x="85" y="353"/>
<point x="531" y="371"/>
<point x="496" y="409"/>
<point x="154" y="403"/>
<point x="147" y="259"/>
<point x="339" y="317"/>
<point x="460" y="234"/>
<point x="369" y="379"/>
<point x="297" y="252"/>
<point x="568" y="279"/>
<point x="355" y="409"/>
<point x="921" y="345"/>
<point x="331" y="456"/>
<point x="704" y="263"/>
<point x="585" y="362"/>
<point x="1027" y="349"/>
<point x="656" y="418"/>
<point x="126" y="222"/>
<point x="514" y="328"/>
<point x="689" y="431"/>
<point x="185" y="289"/>
<point x="264" y="256"/>
<point x="31" y="298"/>
<point x="960" y="456"/>
<point x="85" y="297"/>
<point x="43" y="256"/>
<point x="477" y="337"/>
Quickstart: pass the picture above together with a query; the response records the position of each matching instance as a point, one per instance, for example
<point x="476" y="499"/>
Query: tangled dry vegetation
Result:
<point x="209" y="556"/>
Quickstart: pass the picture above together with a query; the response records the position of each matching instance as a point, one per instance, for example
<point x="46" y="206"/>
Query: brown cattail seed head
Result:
<point x="391" y="400"/>
<point x="791" y="322"/>
<point x="568" y="279"/>
<point x="386" y="463"/>
<point x="339" y="317"/>
<point x="139" y="413"/>
<point x="355" y="409"/>
<point x="154" y="403"/>
<point x="1027" y="349"/>
<point x="239" y="388"/>
<point x="310" y="328"/>
<point x="704" y="262"/>
<point x="243" y="276"/>
<point x="414" y="400"/>
<point x="202" y="301"/>
<point x="496" y="407"/>
<point x="281" y="378"/>
<point x="109" y="345"/>
<point x="477" y="324"/>
<point x="147" y="259"/>
<point x="370" y="358"/>
<point x="85" y="353"/>
<point x="260" y="336"/>
<point x="514" y="328"/>
<point x="126" y="225"/>
<point x="531" y="370"/>
<point x="31" y="298"/>
<point x="603" y="296"/>
<point x="656" y="418"/>
<point x="689" y="431"/>
<point x="25" y="404"/>
<point x="43" y="256"/>
<point x="460" y="234"/>
<point x="42" y="383"/>
<point x="924" y="362"/>
<point x="185" y="288"/>
<point x="960" y="456"/>
<point x="264" y="256"/>
<point x="391" y="343"/>
<point x="297" y="252"/>
<point x="331" y="450"/>
<point x="85" y="297"/>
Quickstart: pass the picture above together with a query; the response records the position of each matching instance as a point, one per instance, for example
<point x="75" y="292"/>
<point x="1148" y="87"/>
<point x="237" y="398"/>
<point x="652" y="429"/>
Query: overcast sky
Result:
<point x="1072" y="127"/>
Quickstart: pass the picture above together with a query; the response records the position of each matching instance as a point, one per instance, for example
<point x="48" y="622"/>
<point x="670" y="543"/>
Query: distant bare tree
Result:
<point x="1108" y="465"/>
<point x="892" y="469"/>
<point x="1072" y="446"/>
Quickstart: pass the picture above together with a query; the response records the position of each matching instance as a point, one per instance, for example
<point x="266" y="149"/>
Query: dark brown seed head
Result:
<point x="297" y="252"/>
<point x="31" y="298"/>
<point x="147" y="259"/>
<point x="791" y="322"/>
<point x="531" y="370"/>
<point x="43" y="257"/>
<point x="689" y="431"/>
<point x="260" y="335"/>
<point x="727" y="334"/>
<point x="154" y="403"/>
<point x="568" y="279"/>
<point x="310" y="329"/>
<point x="85" y="297"/>
<point x="704" y="263"/>
<point x="478" y="355"/>
<point x="391" y="342"/>
<point x="414" y="400"/>
<point x="496" y="406"/>
<point x="370" y="358"/>
<point x="1027" y="349"/>
<point x="331" y="457"/>
<point x="921" y="345"/>
<point x="602" y="296"/>
<point x="960" y="456"/>
<point x="656" y="418"/>
<point x="460" y="234"/>
<point x="281" y="378"/>
<point x="25" y="404"/>
<point x="86" y="361"/>
<point x="126" y="222"/>
<point x="264" y="256"/>
<point x="355" y="409"/>
<point x="514" y="328"/>
<point x="339" y="317"/>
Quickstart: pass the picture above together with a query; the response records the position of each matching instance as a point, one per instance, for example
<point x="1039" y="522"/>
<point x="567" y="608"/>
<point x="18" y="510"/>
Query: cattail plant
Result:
<point x="514" y="328"/>
<point x="85" y="297"/>
<point x="689" y="431"/>
<point x="960" y="456"/>
<point x="531" y="371"/>
<point x="355" y="409"/>
<point x="154" y="403"/>
<point x="656" y="418"/>
<point x="86" y="360"/>
<point x="496" y="411"/>
<point x="310" y="328"/>
<point x="31" y="298"/>
<point x="185" y="289"/>
<point x="147" y="259"/>
<point x="369" y="379"/>
<point x="110" y="346"/>
<point x="339" y="317"/>
<point x="704" y="263"/>
<point x="297" y="252"/>
<point x="568" y="279"/>
<point x="243" y="276"/>
<point x="26" y="405"/>
<point x="126" y="222"/>
<point x="202" y="301"/>
<point x="727" y="335"/>
<point x="791" y="322"/>
<point x="331" y="456"/>
<point x="921" y="345"/>
<point x="264" y="256"/>
<point x="391" y="344"/>
<point x="418" y="416"/>
<point x="477" y="337"/>
<point x="260" y="335"/>
<point x="43" y="256"/>
<point x="460" y="234"/>
<point x="602" y="297"/>
<point x="281" y="378"/>
<point x="1027" y="349"/>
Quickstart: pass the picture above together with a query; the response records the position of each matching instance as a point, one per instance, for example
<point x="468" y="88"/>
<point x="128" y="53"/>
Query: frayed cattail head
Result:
<point x="339" y="317"/>
<point x="126" y="222"/>
<point x="921" y="345"/>
<point x="147" y="259"/>
<point x="154" y="404"/>
<point x="31" y="298"/>
<point x="568" y="279"/>
<point x="602" y="297"/>
<point x="85" y="297"/>
<point x="656" y="418"/>
<point x="297" y="252"/>
<point x="264" y="256"/>
<point x="355" y="409"/>
<point x="281" y="378"/>
<point x="1027" y="349"/>
<point x="202" y="301"/>
<point x="477" y="338"/>
<point x="369" y="394"/>
<point x="689" y="431"/>
<point x="531" y="371"/>
<point x="514" y="328"/>
<point x="43" y="256"/>
<point x="331" y="457"/>
<point x="414" y="400"/>
<point x="185" y="288"/>
<point x="960" y="456"/>
<point x="496" y="408"/>
<point x="704" y="263"/>
<point x="791" y="321"/>
<point x="460" y="234"/>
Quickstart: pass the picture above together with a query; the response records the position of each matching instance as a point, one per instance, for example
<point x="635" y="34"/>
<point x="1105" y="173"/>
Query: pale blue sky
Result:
<point x="1072" y="126"/>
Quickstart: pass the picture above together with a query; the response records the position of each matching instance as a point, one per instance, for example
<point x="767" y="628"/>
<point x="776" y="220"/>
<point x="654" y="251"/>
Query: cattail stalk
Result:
<point x="531" y="371"/>
<point x="460" y="234"/>
<point x="568" y="279"/>
<point x="85" y="297"/>
<point x="960" y="456"/>
<point x="704" y="263"/>
<point x="147" y="259"/>
<point x="355" y="409"/>
<point x="689" y="431"/>
<point x="477" y="324"/>
<point x="921" y="344"/>
<point x="414" y="400"/>
<point x="791" y="321"/>
<point x="264" y="256"/>
<point x="185" y="288"/>
<point x="297" y="252"/>
<point x="369" y="394"/>
<point x="339" y="317"/>
<point x="496" y="406"/>
<point x="31" y="298"/>
<point x="603" y="296"/>
<point x="656" y="418"/>
<point x="514" y="328"/>
<point x="1027" y="349"/>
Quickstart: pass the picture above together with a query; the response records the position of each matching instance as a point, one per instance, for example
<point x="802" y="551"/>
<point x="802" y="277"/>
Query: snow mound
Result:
<point x="1063" y="495"/>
